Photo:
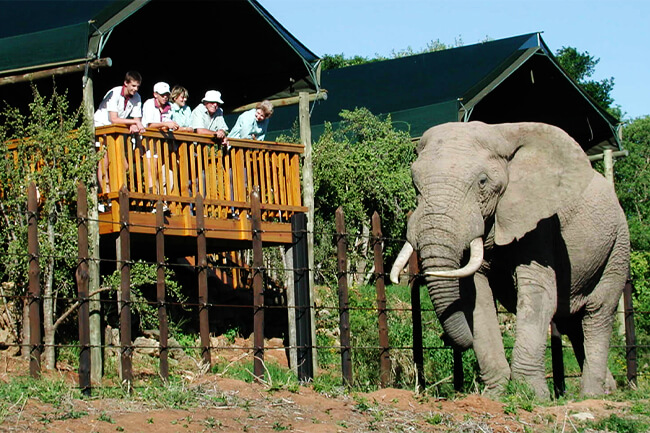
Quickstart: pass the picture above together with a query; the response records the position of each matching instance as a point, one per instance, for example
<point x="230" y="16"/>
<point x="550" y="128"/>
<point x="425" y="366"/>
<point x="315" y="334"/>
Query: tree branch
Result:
<point x="76" y="305"/>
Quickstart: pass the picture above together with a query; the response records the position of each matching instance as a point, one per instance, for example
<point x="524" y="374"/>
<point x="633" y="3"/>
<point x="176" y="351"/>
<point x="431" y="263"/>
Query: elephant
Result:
<point x="515" y="213"/>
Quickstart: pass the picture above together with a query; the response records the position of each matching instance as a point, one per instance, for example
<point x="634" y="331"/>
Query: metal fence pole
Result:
<point x="344" y="306"/>
<point x="202" y="265"/>
<point x="258" y="285"/>
<point x="126" y="351"/>
<point x="83" y="278"/>
<point x="303" y="301"/>
<point x="34" y="275"/>
<point x="630" y="334"/>
<point x="160" y="291"/>
<point x="384" y="356"/>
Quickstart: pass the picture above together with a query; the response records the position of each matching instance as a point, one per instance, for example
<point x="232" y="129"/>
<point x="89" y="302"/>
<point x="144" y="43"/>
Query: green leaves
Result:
<point x="363" y="166"/>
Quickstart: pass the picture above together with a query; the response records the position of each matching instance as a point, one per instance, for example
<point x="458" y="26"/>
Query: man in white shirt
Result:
<point x="157" y="111"/>
<point x="122" y="105"/>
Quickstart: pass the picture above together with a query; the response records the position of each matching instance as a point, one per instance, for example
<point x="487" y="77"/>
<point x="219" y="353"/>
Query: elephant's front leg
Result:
<point x="488" y="343"/>
<point x="536" y="304"/>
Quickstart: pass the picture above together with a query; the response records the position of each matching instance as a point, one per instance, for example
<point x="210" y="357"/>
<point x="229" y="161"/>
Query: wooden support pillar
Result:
<point x="95" y="314"/>
<point x="308" y="197"/>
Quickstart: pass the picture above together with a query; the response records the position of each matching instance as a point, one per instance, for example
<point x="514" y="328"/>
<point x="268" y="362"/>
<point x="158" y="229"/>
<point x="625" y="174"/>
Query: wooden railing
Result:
<point x="177" y="167"/>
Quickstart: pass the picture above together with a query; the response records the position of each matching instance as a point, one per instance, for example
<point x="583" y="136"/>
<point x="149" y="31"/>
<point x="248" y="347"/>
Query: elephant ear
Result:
<point x="547" y="171"/>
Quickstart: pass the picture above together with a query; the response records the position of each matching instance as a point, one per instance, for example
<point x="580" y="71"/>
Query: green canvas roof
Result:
<point x="507" y="80"/>
<point x="206" y="53"/>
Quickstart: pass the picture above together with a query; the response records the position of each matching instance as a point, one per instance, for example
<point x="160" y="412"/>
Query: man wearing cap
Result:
<point x="207" y="117"/>
<point x="157" y="111"/>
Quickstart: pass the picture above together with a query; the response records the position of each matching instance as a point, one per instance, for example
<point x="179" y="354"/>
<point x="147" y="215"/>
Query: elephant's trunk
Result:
<point x="441" y="266"/>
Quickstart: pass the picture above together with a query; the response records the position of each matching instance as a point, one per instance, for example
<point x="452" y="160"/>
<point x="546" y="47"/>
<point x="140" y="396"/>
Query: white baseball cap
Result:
<point x="212" y="96"/>
<point x="161" y="88"/>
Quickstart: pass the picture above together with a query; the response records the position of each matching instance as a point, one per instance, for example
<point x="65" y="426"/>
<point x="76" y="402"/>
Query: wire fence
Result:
<point x="261" y="302"/>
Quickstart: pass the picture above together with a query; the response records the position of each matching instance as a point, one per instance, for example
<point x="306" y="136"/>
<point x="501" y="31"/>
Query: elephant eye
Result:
<point x="482" y="180"/>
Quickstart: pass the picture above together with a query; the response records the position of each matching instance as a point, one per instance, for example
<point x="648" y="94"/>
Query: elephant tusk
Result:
<point x="401" y="261"/>
<point x="473" y="265"/>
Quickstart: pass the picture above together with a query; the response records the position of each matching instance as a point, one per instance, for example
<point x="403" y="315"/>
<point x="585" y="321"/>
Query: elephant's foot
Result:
<point x="537" y="384"/>
<point x="592" y="386"/>
<point x="494" y="391"/>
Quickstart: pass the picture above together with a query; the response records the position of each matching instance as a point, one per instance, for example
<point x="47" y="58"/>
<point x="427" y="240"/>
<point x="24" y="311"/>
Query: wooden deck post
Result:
<point x="202" y="264"/>
<point x="34" y="272"/>
<point x="160" y="291"/>
<point x="126" y="347"/>
<point x="308" y="196"/>
<point x="344" y="305"/>
<point x="82" y="289"/>
<point x="258" y="286"/>
<point x="384" y="356"/>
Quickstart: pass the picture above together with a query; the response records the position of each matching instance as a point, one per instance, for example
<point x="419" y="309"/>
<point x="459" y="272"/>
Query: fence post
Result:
<point x="258" y="286"/>
<point x="384" y="356"/>
<point x="630" y="335"/>
<point x="416" y="314"/>
<point x="83" y="278"/>
<point x="202" y="264"/>
<point x="125" y="285"/>
<point x="557" y="360"/>
<point x="303" y="301"/>
<point x="459" y="374"/>
<point x="344" y="306"/>
<point x="34" y="284"/>
<point x="160" y="290"/>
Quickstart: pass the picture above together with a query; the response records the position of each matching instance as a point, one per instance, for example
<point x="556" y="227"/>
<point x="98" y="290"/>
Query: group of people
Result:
<point x="168" y="110"/>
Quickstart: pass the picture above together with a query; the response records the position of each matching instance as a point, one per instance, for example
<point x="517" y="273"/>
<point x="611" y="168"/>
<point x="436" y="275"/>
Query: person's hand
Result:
<point x="133" y="128"/>
<point x="221" y="134"/>
<point x="171" y="125"/>
<point x="139" y="127"/>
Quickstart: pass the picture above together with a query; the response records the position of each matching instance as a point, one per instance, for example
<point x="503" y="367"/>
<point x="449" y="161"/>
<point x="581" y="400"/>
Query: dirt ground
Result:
<point x="251" y="407"/>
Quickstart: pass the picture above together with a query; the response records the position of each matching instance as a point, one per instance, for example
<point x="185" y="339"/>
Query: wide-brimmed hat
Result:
<point x="212" y="96"/>
<point x="161" y="88"/>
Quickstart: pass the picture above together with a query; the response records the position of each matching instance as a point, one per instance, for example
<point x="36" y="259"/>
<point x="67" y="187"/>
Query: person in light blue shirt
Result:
<point x="253" y="123"/>
<point x="207" y="117"/>
<point x="181" y="113"/>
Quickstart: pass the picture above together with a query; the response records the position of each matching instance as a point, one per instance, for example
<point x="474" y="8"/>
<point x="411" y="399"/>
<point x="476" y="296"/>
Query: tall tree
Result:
<point x="632" y="178"/>
<point x="581" y="67"/>
<point x="50" y="146"/>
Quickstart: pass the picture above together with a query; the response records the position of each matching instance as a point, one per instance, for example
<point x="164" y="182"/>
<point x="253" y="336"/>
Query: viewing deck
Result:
<point x="178" y="167"/>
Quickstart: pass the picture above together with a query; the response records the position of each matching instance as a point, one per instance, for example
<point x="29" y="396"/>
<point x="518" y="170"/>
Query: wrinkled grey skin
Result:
<point x="556" y="245"/>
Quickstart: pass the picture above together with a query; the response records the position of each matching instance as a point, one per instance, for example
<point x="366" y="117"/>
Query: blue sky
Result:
<point x="616" y="32"/>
